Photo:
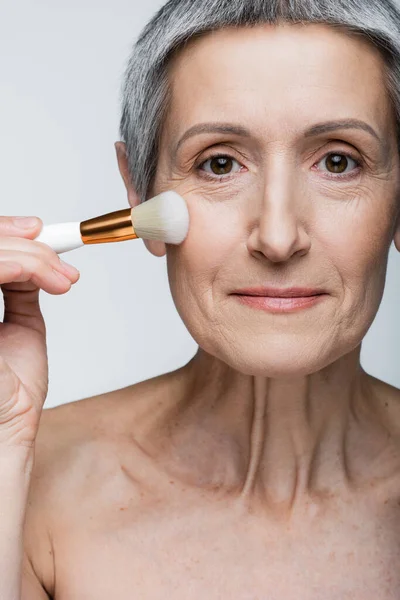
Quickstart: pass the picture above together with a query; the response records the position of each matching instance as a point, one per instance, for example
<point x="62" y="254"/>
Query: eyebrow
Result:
<point x="314" y="130"/>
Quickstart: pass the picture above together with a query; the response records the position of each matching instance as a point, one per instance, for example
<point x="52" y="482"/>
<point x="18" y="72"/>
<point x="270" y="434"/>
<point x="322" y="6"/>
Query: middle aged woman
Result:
<point x="269" y="465"/>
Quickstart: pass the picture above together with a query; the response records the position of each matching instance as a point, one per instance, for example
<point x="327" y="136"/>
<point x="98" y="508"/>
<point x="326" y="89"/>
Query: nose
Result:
<point x="278" y="222"/>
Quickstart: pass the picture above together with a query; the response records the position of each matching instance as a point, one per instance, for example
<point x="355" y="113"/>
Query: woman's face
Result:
<point x="282" y="206"/>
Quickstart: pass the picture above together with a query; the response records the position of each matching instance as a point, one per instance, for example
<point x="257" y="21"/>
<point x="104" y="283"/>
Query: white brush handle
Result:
<point x="62" y="237"/>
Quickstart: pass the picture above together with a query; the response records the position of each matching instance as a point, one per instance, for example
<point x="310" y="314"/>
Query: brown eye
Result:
<point x="220" y="165"/>
<point x="337" y="163"/>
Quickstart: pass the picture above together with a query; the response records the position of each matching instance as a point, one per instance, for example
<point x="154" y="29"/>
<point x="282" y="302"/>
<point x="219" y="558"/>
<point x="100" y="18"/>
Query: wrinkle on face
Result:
<point x="281" y="222"/>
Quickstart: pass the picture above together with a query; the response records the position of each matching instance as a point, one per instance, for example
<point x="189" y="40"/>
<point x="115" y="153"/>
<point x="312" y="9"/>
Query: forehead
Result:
<point x="281" y="76"/>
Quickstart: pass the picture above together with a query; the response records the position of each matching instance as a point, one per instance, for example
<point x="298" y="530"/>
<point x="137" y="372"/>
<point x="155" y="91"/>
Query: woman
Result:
<point x="269" y="465"/>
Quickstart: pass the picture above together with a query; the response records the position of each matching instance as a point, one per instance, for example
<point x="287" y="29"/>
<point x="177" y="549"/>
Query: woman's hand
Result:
<point x="25" y="267"/>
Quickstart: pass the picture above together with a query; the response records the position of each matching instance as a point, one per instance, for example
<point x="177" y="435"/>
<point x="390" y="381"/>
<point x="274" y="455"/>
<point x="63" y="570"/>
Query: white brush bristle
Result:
<point x="164" y="217"/>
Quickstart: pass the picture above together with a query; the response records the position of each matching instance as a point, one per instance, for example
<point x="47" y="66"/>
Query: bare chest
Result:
<point x="195" y="554"/>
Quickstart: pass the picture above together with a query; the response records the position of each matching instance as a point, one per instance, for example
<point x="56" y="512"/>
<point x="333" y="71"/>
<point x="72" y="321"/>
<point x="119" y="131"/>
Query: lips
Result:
<point x="295" y="292"/>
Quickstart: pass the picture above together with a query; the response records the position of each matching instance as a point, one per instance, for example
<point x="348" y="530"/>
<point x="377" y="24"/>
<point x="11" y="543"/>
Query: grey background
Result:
<point x="60" y="70"/>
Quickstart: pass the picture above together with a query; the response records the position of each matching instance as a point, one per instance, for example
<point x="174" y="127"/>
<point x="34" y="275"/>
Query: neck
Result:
<point x="268" y="438"/>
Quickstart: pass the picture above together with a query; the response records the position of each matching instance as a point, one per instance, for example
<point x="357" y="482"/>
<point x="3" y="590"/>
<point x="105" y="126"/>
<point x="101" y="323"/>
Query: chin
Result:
<point x="271" y="368"/>
<point x="278" y="360"/>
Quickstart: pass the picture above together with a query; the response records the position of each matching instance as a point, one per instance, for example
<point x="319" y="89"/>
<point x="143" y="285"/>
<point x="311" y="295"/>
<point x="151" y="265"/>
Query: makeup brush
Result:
<point x="164" y="217"/>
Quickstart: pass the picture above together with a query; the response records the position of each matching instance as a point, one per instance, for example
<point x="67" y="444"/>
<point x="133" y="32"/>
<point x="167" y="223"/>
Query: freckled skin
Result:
<point x="268" y="466"/>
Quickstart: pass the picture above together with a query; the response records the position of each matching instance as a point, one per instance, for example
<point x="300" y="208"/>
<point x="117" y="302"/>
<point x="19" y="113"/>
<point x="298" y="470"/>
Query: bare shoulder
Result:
<point x="80" y="443"/>
<point x="72" y="436"/>
<point x="68" y="434"/>
<point x="77" y="462"/>
<point x="388" y="397"/>
<point x="63" y="434"/>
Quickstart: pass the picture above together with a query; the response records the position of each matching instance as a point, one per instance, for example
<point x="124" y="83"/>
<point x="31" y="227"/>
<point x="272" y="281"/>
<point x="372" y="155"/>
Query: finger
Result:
<point x="35" y="270"/>
<point x="41" y="250"/>
<point x="20" y="226"/>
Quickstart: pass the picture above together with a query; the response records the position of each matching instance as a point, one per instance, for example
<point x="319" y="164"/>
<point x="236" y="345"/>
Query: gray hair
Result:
<point x="145" y="90"/>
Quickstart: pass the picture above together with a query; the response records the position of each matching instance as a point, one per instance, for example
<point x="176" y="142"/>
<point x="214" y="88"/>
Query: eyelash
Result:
<point x="359" y="166"/>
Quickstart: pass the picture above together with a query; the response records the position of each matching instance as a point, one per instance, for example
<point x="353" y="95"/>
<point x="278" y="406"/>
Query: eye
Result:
<point x="221" y="164"/>
<point x="338" y="163"/>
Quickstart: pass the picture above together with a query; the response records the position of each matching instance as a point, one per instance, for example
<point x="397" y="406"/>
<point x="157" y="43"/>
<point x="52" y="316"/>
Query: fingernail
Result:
<point x="26" y="222"/>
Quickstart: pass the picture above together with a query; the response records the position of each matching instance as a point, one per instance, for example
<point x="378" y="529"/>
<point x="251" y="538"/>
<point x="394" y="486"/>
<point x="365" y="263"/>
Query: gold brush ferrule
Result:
<point x="113" y="227"/>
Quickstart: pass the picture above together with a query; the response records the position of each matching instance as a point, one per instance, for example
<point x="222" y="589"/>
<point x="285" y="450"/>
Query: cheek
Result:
<point x="212" y="238"/>
<point x="194" y="266"/>
<point x="359" y="236"/>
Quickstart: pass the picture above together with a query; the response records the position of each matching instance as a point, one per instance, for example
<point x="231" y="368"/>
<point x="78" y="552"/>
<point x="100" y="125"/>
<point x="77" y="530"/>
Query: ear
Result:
<point x="155" y="247"/>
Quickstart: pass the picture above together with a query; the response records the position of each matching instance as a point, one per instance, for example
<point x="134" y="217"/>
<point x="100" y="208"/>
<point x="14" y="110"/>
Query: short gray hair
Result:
<point x="145" y="88"/>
